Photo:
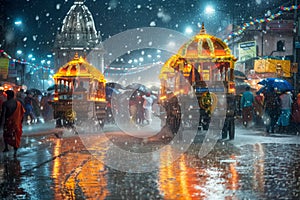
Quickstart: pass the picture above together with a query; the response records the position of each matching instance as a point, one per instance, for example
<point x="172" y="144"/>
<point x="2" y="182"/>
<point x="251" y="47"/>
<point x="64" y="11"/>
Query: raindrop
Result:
<point x="258" y="1"/>
<point x="34" y="37"/>
<point x="58" y="6"/>
<point x="152" y="23"/>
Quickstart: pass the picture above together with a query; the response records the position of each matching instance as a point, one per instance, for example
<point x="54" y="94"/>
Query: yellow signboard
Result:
<point x="4" y="62"/>
<point x="281" y="67"/>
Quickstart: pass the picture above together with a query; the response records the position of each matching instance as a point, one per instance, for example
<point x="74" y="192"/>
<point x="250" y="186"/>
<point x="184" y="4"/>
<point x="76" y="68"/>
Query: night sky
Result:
<point x="42" y="19"/>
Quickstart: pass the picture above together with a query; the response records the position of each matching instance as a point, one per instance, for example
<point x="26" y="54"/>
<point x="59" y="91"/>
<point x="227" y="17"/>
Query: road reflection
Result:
<point x="69" y="170"/>
<point x="78" y="174"/>
<point x="10" y="179"/>
<point x="259" y="168"/>
<point x="180" y="180"/>
<point x="192" y="178"/>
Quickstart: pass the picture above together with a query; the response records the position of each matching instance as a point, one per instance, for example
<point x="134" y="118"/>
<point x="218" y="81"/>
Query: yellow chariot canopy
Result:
<point x="205" y="47"/>
<point x="202" y="48"/>
<point x="79" y="67"/>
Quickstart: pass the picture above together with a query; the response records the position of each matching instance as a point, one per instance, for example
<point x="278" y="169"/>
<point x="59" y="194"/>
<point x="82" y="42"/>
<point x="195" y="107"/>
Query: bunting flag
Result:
<point x="21" y="61"/>
<point x="244" y="26"/>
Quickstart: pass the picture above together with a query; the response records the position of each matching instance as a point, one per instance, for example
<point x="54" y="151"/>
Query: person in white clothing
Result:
<point x="286" y="108"/>
<point x="147" y="105"/>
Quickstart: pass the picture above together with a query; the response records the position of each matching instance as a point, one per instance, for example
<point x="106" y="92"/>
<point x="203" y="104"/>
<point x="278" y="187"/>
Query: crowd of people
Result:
<point x="275" y="110"/>
<point x="37" y="107"/>
<point x="140" y="108"/>
<point x="278" y="111"/>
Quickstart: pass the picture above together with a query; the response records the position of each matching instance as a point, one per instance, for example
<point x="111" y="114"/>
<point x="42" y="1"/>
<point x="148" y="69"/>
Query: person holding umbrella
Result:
<point x="272" y="108"/>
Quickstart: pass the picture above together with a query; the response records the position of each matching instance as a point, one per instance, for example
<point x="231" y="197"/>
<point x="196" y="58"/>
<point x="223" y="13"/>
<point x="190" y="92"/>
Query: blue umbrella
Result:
<point x="278" y="83"/>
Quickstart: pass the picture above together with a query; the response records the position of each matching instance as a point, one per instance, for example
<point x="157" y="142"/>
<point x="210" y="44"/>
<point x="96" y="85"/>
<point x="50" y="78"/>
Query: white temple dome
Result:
<point x="79" y="27"/>
<point x="78" y="34"/>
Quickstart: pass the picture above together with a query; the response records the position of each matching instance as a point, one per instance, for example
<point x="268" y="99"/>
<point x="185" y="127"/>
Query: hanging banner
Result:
<point x="4" y="62"/>
<point x="12" y="65"/>
<point x="247" y="50"/>
<point x="12" y="71"/>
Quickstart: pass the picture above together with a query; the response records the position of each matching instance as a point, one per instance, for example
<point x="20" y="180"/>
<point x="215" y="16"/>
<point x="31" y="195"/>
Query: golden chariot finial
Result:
<point x="76" y="57"/>
<point x="202" y="31"/>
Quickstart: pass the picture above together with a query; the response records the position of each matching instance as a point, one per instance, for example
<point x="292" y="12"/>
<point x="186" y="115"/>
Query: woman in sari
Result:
<point x="11" y="121"/>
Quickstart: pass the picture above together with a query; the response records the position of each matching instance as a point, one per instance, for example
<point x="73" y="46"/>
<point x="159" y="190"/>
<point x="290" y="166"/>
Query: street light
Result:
<point x="19" y="52"/>
<point x="209" y="10"/>
<point x="18" y="22"/>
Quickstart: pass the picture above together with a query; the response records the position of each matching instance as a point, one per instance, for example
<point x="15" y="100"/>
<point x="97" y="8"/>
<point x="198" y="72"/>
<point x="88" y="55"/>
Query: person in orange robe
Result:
<point x="11" y="121"/>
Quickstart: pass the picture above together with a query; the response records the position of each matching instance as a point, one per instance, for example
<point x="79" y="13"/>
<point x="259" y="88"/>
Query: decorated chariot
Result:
<point x="79" y="95"/>
<point x="204" y="68"/>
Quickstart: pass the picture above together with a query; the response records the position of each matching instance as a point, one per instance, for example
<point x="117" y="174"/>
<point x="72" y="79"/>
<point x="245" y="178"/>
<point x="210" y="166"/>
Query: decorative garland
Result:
<point x="259" y="21"/>
<point x="128" y="70"/>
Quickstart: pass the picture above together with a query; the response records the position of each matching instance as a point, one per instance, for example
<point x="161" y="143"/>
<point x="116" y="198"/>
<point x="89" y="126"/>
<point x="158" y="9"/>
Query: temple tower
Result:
<point x="79" y="35"/>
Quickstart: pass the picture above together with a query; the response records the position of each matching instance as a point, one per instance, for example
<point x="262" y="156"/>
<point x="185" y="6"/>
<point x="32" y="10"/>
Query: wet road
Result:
<point x="51" y="167"/>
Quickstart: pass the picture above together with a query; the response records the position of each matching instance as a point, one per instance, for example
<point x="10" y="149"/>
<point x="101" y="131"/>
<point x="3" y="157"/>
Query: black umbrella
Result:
<point x="60" y="87"/>
<point x="114" y="85"/>
<point x="35" y="91"/>
<point x="239" y="75"/>
<point x="241" y="87"/>
<point x="139" y="87"/>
